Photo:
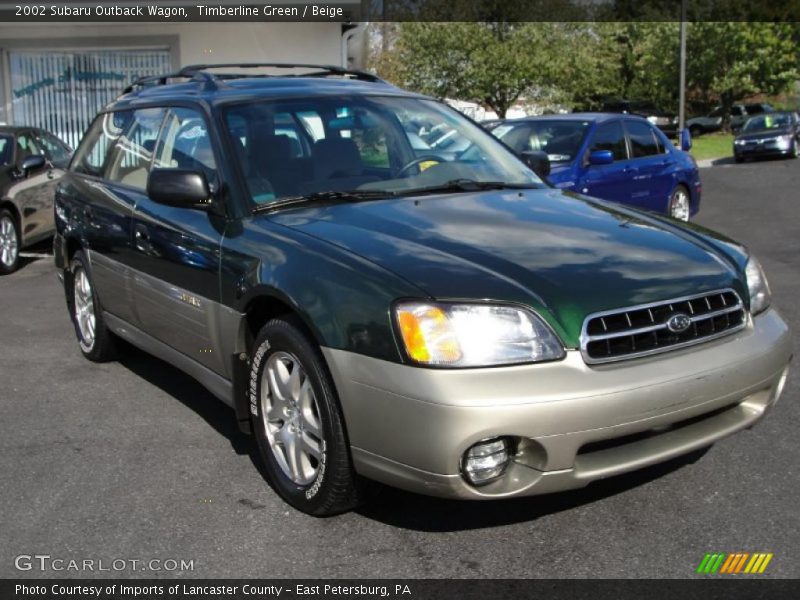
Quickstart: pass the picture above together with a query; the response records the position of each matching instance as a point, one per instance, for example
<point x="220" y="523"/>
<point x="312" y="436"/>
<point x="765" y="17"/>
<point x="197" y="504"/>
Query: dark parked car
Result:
<point x="770" y="134"/>
<point x="31" y="163"/>
<point x="739" y="114"/>
<point x="620" y="158"/>
<point x="665" y="120"/>
<point x="444" y="323"/>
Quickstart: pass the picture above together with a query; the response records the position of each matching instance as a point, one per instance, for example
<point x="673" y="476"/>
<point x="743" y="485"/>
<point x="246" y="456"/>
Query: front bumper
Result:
<point x="575" y="423"/>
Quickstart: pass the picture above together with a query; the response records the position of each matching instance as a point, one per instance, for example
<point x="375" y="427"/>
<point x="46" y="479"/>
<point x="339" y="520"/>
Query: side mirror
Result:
<point x="183" y="188"/>
<point x="537" y="161"/>
<point x="686" y="140"/>
<point x="601" y="157"/>
<point x="31" y="163"/>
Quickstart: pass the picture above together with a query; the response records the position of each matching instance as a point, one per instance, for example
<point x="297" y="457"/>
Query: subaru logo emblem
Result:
<point x="679" y="322"/>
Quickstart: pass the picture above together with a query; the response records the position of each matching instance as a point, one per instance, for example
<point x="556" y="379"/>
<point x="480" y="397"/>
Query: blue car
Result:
<point x="622" y="158"/>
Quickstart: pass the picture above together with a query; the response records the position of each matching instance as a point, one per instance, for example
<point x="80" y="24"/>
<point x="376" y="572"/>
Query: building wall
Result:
<point x="188" y="43"/>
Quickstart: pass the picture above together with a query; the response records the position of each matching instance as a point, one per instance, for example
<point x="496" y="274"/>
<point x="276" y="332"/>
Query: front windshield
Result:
<point x="560" y="139"/>
<point x="300" y="147"/>
<point x="768" y="121"/>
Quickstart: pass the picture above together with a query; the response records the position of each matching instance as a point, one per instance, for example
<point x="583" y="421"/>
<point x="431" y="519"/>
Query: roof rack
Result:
<point x="200" y="73"/>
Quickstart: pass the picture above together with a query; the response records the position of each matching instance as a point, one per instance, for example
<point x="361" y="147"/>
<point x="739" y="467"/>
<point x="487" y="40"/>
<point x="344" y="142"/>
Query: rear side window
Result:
<point x="610" y="136"/>
<point x="643" y="139"/>
<point x="133" y="153"/>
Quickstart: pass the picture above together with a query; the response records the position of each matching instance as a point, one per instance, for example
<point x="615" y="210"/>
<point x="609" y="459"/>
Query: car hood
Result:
<point x="562" y="254"/>
<point x="764" y="133"/>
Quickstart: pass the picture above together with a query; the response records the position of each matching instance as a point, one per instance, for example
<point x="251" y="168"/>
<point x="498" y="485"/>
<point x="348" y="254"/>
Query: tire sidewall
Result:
<point x="6" y="269"/>
<point x="279" y="336"/>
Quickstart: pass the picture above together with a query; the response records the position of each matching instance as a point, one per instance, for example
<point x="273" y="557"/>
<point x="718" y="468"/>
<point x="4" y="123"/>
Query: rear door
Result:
<point x="110" y="175"/>
<point x="177" y="250"/>
<point x="614" y="181"/>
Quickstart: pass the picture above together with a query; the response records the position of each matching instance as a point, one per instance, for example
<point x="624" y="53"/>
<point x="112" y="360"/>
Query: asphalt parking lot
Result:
<point x="134" y="460"/>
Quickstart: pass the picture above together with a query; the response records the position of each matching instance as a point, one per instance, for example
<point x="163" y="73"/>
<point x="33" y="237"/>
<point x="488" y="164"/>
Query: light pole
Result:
<point x="682" y="85"/>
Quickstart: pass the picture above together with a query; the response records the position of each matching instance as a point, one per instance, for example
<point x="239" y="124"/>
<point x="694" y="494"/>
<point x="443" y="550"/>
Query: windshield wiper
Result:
<point x="323" y="198"/>
<point x="470" y="185"/>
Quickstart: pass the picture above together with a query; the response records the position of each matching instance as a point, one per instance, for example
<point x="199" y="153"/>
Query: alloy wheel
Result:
<point x="291" y="418"/>
<point x="9" y="245"/>
<point x="679" y="205"/>
<point x="84" y="307"/>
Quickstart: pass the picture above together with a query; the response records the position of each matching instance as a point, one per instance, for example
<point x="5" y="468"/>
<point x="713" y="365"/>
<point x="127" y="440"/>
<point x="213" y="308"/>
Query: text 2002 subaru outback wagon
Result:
<point x="438" y="321"/>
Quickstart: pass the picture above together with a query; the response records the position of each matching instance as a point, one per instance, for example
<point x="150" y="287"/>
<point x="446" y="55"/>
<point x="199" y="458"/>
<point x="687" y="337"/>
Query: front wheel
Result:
<point x="298" y="423"/>
<point x="679" y="204"/>
<point x="9" y="243"/>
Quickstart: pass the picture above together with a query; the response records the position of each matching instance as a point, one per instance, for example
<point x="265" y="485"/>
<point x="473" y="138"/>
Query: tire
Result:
<point x="95" y="340"/>
<point x="9" y="242"/>
<point x="679" y="206"/>
<point x="694" y="131"/>
<point x="298" y="423"/>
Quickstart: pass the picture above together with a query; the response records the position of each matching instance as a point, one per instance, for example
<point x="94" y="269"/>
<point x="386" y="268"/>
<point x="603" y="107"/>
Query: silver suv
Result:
<point x="713" y="120"/>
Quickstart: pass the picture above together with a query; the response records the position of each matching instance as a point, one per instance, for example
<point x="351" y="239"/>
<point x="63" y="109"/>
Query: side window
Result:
<point x="56" y="150"/>
<point x="643" y="139"/>
<point x="92" y="154"/>
<point x="131" y="156"/>
<point x="6" y="149"/>
<point x="717" y="112"/>
<point x="26" y="146"/>
<point x="610" y="136"/>
<point x="185" y="144"/>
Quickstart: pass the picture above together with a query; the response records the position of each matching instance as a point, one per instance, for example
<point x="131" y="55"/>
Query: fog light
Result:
<point x="485" y="461"/>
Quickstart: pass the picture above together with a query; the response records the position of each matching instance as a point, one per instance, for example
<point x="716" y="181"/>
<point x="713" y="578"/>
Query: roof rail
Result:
<point x="200" y="73"/>
<point x="321" y="70"/>
<point x="152" y="80"/>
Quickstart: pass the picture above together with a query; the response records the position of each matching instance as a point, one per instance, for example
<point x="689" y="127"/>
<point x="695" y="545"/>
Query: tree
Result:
<point x="492" y="64"/>
<point x="729" y="62"/>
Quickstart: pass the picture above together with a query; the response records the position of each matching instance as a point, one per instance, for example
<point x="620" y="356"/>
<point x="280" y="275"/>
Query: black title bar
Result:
<point x="400" y="10"/>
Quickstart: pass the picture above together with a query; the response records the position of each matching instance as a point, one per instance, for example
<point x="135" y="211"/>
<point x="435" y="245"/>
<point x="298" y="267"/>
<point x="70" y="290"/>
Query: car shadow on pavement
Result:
<point x="188" y="392"/>
<point x="423" y="513"/>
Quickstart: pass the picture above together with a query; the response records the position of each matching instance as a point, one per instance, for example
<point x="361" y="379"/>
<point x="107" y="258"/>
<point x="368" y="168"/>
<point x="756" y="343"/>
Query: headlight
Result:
<point x="474" y="335"/>
<point x="739" y="142"/>
<point x="784" y="141"/>
<point x="757" y="285"/>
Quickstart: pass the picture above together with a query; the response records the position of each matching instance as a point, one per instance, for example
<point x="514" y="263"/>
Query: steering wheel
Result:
<point x="417" y="161"/>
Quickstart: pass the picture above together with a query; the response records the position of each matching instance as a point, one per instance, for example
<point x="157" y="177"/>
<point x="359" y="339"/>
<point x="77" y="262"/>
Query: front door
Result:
<point x="609" y="182"/>
<point x="177" y="250"/>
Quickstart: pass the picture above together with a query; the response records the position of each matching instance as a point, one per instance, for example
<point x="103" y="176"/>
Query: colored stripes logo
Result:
<point x="734" y="563"/>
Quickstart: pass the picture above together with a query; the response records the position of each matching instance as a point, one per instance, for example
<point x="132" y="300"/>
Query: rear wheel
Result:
<point x="9" y="242"/>
<point x="679" y="204"/>
<point x="96" y="342"/>
<point x="298" y="423"/>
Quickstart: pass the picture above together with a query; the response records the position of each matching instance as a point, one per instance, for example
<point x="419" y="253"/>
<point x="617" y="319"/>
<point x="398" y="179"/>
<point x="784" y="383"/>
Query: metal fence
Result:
<point x="63" y="91"/>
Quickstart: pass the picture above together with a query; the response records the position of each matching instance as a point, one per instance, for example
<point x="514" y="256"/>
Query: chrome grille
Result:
<point x="642" y="330"/>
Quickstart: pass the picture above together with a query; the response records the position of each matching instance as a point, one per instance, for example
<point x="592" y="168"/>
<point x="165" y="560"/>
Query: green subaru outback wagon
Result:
<point x="380" y="289"/>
